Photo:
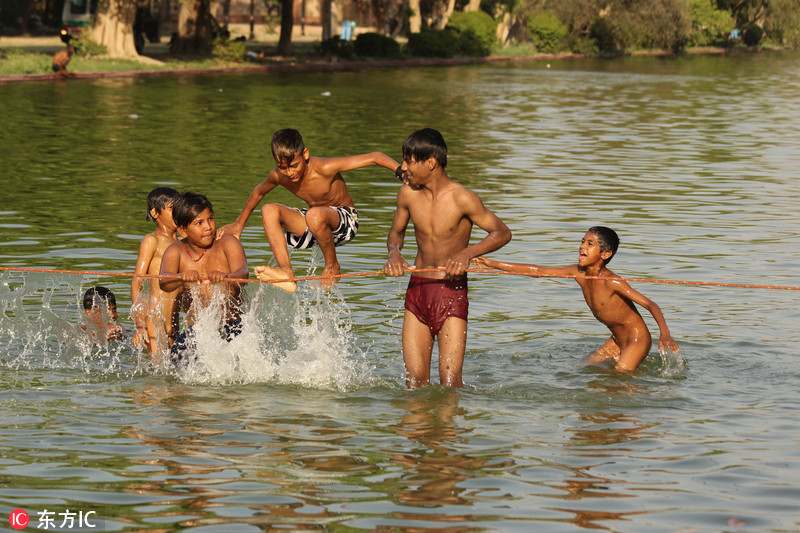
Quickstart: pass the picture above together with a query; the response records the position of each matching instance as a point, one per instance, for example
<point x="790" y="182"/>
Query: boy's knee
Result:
<point x="270" y="211"/>
<point x="316" y="220"/>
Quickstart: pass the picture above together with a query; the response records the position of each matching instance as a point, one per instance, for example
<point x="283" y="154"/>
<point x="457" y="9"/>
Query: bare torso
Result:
<point x="212" y="259"/>
<point x="317" y="189"/>
<point x="441" y="228"/>
<point x="617" y="313"/>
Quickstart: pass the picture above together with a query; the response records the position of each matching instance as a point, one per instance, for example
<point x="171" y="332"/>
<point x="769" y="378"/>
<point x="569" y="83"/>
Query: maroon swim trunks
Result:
<point x="435" y="300"/>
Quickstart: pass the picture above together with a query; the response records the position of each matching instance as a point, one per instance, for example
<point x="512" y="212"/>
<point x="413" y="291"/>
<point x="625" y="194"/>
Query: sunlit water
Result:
<point x="303" y="422"/>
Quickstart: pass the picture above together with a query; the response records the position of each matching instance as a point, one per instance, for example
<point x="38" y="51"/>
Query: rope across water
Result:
<point x="380" y="273"/>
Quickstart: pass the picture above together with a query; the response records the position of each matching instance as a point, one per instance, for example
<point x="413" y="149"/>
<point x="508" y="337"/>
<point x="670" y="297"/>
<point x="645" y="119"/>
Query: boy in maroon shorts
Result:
<point x="443" y="213"/>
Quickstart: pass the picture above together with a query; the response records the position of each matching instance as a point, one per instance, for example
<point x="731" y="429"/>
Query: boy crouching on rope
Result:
<point x="202" y="259"/>
<point x="331" y="218"/>
<point x="443" y="213"/>
<point x="611" y="300"/>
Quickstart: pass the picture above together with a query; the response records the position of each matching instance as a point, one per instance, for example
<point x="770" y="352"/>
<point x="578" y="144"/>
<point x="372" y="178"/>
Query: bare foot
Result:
<point x="330" y="270"/>
<point x="271" y="274"/>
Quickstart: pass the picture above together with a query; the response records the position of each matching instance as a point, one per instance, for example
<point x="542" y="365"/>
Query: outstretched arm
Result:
<point x="527" y="269"/>
<point x="665" y="340"/>
<point x="236" y="228"/>
<point x="330" y="166"/>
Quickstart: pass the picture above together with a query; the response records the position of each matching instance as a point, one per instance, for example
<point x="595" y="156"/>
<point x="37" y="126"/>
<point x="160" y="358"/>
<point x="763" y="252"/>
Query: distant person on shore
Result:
<point x="443" y="213"/>
<point x="212" y="265"/>
<point x="331" y="218"/>
<point x="610" y="299"/>
<point x="157" y="315"/>
<point x="100" y="307"/>
<point x="61" y="60"/>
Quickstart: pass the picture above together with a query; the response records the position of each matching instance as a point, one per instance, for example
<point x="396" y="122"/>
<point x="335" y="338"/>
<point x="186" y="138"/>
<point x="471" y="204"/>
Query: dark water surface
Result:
<point x="693" y="161"/>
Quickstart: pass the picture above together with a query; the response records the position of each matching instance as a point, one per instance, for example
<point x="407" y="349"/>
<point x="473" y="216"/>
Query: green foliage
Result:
<point x="476" y="32"/>
<point x="547" y="31"/>
<point x="85" y="46"/>
<point x="376" y="45"/>
<point x="581" y="45"/>
<point x="753" y="35"/>
<point x="603" y="34"/>
<point x="710" y="26"/>
<point x="16" y="61"/>
<point x="433" y="43"/>
<point x="337" y="47"/>
<point x="228" y="50"/>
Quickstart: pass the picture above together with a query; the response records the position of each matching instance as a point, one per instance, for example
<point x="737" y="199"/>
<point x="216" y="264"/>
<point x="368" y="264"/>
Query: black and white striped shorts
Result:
<point x="344" y="232"/>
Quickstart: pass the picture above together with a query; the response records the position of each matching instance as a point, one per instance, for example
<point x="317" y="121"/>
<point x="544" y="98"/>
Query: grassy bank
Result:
<point x="32" y="58"/>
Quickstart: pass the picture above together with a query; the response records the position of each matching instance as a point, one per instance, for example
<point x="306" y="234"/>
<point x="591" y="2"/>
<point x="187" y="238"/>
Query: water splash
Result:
<point x="299" y="339"/>
<point x="42" y="325"/>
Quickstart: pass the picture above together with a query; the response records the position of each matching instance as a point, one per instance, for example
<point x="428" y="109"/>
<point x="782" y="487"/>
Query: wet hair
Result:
<point x="159" y="198"/>
<point x="607" y="238"/>
<point x="424" y="144"/>
<point x="95" y="295"/>
<point x="187" y="206"/>
<point x="286" y="144"/>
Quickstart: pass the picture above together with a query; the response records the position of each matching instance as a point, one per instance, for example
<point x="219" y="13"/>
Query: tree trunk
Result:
<point x="326" y="20"/>
<point x="287" y="23"/>
<point x="442" y="12"/>
<point x="194" y="28"/>
<point x="415" y="17"/>
<point x="473" y="5"/>
<point x="113" y="27"/>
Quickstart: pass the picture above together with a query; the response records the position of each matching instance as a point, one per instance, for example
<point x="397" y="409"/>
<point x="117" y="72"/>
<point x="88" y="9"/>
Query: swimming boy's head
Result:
<point x="160" y="198"/>
<point x="98" y="299"/>
<point x="425" y="144"/>
<point x="607" y="238"/>
<point x="187" y="206"/>
<point x="286" y="144"/>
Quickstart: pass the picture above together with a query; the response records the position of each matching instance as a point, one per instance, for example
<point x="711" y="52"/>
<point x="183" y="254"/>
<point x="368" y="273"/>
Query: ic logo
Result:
<point x="18" y="519"/>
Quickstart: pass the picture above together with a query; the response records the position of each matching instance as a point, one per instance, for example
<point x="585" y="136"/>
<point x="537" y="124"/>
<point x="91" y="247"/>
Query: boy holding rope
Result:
<point x="610" y="299"/>
<point x="331" y="218"/>
<point x="157" y="317"/>
<point x="443" y="213"/>
<point x="211" y="264"/>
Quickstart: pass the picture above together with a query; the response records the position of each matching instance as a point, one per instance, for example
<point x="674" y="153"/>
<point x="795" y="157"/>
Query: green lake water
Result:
<point x="693" y="160"/>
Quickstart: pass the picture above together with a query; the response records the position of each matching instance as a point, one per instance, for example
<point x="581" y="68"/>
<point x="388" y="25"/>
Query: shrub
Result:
<point x="376" y="45"/>
<point x="476" y="32"/>
<point x="603" y="35"/>
<point x="710" y="26"/>
<point x="433" y="43"/>
<point x="547" y="31"/>
<point x="85" y="46"/>
<point x="753" y="35"/>
<point x="227" y="50"/>
<point x="337" y="47"/>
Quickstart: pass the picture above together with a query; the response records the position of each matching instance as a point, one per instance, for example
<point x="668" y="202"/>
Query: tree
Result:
<point x="195" y="29"/>
<point x="113" y="27"/>
<point x="287" y="23"/>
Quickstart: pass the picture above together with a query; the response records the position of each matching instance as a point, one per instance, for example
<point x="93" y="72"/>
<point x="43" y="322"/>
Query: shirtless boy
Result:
<point x="61" y="60"/>
<point x="331" y="218"/>
<point x="611" y="300"/>
<point x="156" y="317"/>
<point x="443" y="213"/>
<point x="100" y="307"/>
<point x="211" y="263"/>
